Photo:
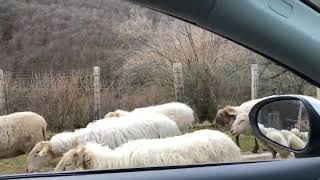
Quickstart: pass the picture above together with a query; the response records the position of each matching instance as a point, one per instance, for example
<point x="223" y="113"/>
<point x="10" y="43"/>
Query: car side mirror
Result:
<point x="291" y="122"/>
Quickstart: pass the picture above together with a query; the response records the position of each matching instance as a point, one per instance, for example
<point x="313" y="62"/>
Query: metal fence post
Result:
<point x="97" y="87"/>
<point x="178" y="82"/>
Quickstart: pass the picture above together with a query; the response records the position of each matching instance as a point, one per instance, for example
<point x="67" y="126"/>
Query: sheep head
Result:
<point x="296" y="132"/>
<point x="74" y="159"/>
<point x="241" y="125"/>
<point x="40" y="157"/>
<point x="225" y="116"/>
<point x="112" y="114"/>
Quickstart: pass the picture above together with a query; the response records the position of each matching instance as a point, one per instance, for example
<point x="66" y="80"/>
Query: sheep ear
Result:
<point x="230" y="110"/>
<point x="78" y="157"/>
<point x="45" y="150"/>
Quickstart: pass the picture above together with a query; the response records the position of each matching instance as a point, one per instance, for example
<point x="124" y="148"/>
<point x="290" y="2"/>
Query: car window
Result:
<point x="316" y="2"/>
<point x="104" y="74"/>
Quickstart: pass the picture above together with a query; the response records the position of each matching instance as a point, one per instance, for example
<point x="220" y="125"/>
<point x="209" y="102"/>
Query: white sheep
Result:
<point x="304" y="136"/>
<point x="179" y="112"/>
<point x="19" y="132"/>
<point x="201" y="146"/>
<point x="286" y="133"/>
<point x="242" y="126"/>
<point x="295" y="142"/>
<point x="278" y="137"/>
<point x="111" y="132"/>
<point x="228" y="115"/>
<point x="295" y="131"/>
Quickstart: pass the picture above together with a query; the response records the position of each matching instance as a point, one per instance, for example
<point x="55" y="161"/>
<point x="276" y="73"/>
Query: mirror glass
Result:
<point x="285" y="122"/>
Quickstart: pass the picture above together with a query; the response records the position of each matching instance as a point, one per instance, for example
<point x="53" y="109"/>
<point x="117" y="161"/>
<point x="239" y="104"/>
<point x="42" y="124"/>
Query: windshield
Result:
<point x="112" y="85"/>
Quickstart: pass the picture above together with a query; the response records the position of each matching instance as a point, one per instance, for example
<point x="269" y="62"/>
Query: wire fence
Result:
<point x="68" y="99"/>
<point x="72" y="98"/>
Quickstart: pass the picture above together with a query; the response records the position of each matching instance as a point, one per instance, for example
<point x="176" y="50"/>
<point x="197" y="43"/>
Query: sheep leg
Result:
<point x="256" y="146"/>
<point x="274" y="153"/>
<point x="237" y="140"/>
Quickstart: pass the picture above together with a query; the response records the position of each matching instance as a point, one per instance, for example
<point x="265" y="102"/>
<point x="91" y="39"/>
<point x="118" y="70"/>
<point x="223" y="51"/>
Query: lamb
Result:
<point x="19" y="132"/>
<point x="242" y="126"/>
<point x="227" y="115"/>
<point x="201" y="146"/>
<point x="111" y="132"/>
<point x="179" y="112"/>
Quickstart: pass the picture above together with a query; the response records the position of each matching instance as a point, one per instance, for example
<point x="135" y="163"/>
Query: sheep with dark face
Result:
<point x="242" y="126"/>
<point x="227" y="116"/>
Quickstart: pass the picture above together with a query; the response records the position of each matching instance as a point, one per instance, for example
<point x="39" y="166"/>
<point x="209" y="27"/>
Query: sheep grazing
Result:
<point x="201" y="146"/>
<point x="179" y="112"/>
<point x="112" y="132"/>
<point x="277" y="137"/>
<point x="242" y="126"/>
<point x="19" y="132"/>
<point x="227" y="116"/>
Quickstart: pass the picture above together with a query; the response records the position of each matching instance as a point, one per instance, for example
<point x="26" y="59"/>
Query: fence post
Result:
<point x="2" y="94"/>
<point x="318" y="93"/>
<point x="178" y="82"/>
<point x="254" y="80"/>
<point x="97" y="104"/>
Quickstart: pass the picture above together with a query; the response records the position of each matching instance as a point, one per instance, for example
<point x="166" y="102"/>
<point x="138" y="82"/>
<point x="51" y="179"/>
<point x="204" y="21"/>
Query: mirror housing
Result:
<point x="311" y="108"/>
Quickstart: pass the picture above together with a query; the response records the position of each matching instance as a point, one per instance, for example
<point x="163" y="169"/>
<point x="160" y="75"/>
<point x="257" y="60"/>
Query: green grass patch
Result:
<point x="13" y="165"/>
<point x="18" y="165"/>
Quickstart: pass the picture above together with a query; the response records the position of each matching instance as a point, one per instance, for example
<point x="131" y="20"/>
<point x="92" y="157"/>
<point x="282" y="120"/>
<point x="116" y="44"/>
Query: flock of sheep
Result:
<point x="150" y="136"/>
<point x="238" y="118"/>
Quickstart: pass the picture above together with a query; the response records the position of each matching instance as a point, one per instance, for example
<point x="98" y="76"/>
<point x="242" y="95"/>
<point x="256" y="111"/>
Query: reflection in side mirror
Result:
<point x="288" y="118"/>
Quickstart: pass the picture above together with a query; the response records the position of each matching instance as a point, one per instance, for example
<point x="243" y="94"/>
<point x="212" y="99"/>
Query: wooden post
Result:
<point x="2" y="94"/>
<point x="254" y="80"/>
<point x="318" y="93"/>
<point x="178" y="82"/>
<point x="96" y="76"/>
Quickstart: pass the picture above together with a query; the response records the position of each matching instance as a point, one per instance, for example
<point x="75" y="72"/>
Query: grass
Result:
<point x="18" y="165"/>
<point x="13" y="165"/>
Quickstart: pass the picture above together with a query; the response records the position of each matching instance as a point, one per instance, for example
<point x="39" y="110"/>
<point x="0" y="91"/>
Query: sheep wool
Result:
<point x="20" y="132"/>
<point x="202" y="146"/>
<point x="178" y="112"/>
<point x="295" y="142"/>
<point x="112" y="132"/>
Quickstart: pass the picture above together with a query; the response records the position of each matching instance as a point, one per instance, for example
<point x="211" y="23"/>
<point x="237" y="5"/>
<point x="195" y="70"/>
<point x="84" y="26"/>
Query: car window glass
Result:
<point x="79" y="64"/>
